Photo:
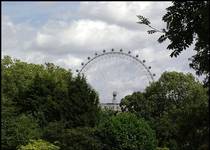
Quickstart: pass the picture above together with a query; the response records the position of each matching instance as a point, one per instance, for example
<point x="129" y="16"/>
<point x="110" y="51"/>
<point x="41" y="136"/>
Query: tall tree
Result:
<point x="187" y="22"/>
<point x="45" y="93"/>
<point x="126" y="131"/>
<point x="177" y="107"/>
<point x="83" y="106"/>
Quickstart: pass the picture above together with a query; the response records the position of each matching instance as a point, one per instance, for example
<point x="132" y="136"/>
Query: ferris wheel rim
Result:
<point x="112" y="52"/>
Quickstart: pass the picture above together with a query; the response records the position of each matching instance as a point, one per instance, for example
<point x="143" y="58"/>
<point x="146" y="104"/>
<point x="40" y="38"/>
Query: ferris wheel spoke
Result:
<point x="116" y="71"/>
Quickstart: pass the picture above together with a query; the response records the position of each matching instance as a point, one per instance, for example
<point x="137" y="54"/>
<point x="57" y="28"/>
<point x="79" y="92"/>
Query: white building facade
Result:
<point x="112" y="106"/>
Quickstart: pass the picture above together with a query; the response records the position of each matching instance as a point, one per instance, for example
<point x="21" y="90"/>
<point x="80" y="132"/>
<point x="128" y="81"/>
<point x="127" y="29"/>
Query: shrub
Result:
<point x="38" y="145"/>
<point x="19" y="130"/>
<point x="126" y="131"/>
<point x="80" y="139"/>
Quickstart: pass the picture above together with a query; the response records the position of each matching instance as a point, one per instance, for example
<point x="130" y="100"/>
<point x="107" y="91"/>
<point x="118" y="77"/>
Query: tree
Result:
<point x="125" y="131"/>
<point x="40" y="95"/>
<point x="19" y="130"/>
<point x="105" y="114"/>
<point x="53" y="131"/>
<point x="82" y="107"/>
<point x="80" y="139"/>
<point x="177" y="108"/>
<point x="8" y="113"/>
<point x="137" y="103"/>
<point x="187" y="22"/>
<point x="46" y="95"/>
<point x="49" y="93"/>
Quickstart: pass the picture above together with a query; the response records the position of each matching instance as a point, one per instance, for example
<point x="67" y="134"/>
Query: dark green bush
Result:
<point x="125" y="131"/>
<point x="80" y="139"/>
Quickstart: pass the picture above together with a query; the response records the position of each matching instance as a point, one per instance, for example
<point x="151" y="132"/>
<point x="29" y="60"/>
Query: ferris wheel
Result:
<point x="115" y="74"/>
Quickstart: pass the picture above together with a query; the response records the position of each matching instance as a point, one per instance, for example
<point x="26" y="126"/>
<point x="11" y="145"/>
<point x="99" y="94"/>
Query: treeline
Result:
<point x="45" y="107"/>
<point x="176" y="107"/>
<point x="40" y="99"/>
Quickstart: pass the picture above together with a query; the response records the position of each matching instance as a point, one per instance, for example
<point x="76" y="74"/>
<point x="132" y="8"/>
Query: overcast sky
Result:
<point x="66" y="33"/>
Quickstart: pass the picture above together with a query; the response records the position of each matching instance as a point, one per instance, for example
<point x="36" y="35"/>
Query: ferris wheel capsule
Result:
<point x="154" y="74"/>
<point x="112" y="50"/>
<point x="144" y="61"/>
<point x="77" y="70"/>
<point x="104" y="51"/>
<point x="82" y="63"/>
<point x="150" y="67"/>
<point x="137" y="55"/>
<point x="96" y="54"/>
<point x="129" y="52"/>
<point x="88" y="58"/>
<point x="121" y="50"/>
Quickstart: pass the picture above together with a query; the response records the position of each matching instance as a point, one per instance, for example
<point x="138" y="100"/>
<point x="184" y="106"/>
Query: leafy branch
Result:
<point x="146" y="22"/>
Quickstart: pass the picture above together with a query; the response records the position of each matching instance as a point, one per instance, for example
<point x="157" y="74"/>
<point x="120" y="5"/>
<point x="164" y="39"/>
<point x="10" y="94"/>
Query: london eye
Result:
<point x="115" y="74"/>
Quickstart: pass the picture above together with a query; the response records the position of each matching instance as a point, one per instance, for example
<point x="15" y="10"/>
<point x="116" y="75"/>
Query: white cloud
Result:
<point x="17" y="38"/>
<point x="124" y="13"/>
<point x="86" y="35"/>
<point x="96" y="26"/>
<point x="69" y="62"/>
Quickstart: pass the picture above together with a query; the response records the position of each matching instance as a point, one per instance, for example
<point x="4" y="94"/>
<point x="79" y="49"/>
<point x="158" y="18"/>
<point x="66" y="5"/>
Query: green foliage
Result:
<point x="83" y="106"/>
<point x="46" y="93"/>
<point x="26" y="128"/>
<point x="187" y="22"/>
<point x="53" y="131"/>
<point x="17" y="76"/>
<point x="45" y="101"/>
<point x="19" y="130"/>
<point x="8" y="112"/>
<point x="49" y="93"/>
<point x="72" y="139"/>
<point x="38" y="145"/>
<point x="137" y="103"/>
<point x="80" y="139"/>
<point x="176" y="107"/>
<point x="105" y="114"/>
<point x="39" y="95"/>
<point x="126" y="131"/>
<point x="159" y="148"/>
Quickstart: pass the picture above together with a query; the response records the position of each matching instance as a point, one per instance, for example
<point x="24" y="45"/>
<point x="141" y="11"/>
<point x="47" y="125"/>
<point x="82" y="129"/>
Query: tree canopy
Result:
<point x="125" y="131"/>
<point x="187" y="24"/>
<point x="36" y="95"/>
<point x="45" y="107"/>
<point x="177" y="108"/>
